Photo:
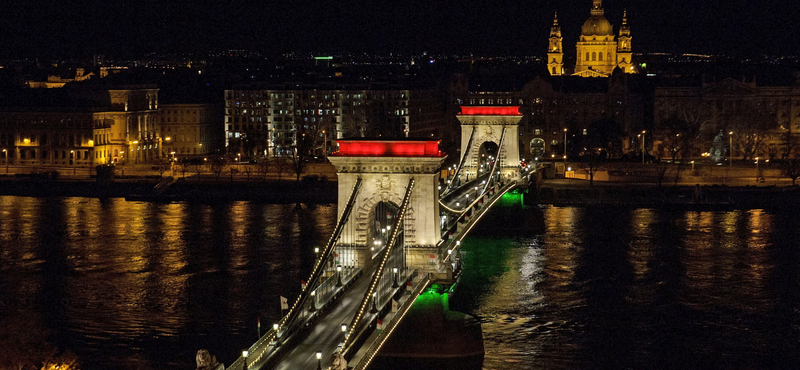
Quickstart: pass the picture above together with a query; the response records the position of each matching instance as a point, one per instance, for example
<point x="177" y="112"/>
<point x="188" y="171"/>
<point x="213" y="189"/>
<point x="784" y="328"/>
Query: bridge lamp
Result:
<point x="388" y="227"/>
<point x="458" y="242"/>
<point x="244" y="356"/>
<point x="275" y="327"/>
<point x="374" y="303"/>
<point x="339" y="277"/>
<point x="457" y="204"/>
<point x="319" y="360"/>
<point x="394" y="284"/>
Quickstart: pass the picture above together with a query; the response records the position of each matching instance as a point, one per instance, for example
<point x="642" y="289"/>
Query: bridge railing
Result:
<point x="267" y="347"/>
<point x="389" y="327"/>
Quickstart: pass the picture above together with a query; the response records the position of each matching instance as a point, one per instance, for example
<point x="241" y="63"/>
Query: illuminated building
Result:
<point x="85" y="127"/>
<point x="265" y="121"/>
<point x="598" y="52"/>
<point x="187" y="129"/>
<point x="760" y="114"/>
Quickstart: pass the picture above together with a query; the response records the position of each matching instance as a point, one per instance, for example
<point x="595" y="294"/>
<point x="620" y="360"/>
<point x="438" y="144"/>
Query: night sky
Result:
<point x="64" y="28"/>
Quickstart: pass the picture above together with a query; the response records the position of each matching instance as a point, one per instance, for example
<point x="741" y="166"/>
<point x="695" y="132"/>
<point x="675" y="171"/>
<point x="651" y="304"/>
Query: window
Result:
<point x="587" y="56"/>
<point x="537" y="132"/>
<point x="600" y="56"/>
<point x="594" y="57"/>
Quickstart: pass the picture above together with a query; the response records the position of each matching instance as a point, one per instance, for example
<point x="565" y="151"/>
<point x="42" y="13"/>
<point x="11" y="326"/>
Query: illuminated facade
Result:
<point x="120" y="126"/>
<point x="272" y="117"/>
<point x="385" y="168"/>
<point x="187" y="129"/>
<point x="598" y="51"/>
<point x="753" y="112"/>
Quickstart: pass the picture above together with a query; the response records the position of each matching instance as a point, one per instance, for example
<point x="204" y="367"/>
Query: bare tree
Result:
<point x="232" y="170"/>
<point x="791" y="169"/>
<point x="752" y="124"/>
<point x="162" y="166"/>
<point x="264" y="167"/>
<point x="281" y="164"/>
<point x="248" y="169"/>
<point x="218" y="165"/>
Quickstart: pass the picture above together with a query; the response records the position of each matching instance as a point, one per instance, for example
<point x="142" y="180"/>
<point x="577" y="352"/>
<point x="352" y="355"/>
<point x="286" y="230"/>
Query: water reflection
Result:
<point x="145" y="285"/>
<point x="605" y="287"/>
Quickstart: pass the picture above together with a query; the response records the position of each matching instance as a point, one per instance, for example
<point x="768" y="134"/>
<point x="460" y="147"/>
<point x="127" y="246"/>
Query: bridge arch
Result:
<point x="496" y="124"/>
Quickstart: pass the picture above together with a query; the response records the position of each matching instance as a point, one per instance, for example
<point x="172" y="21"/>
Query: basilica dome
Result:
<point x="597" y="25"/>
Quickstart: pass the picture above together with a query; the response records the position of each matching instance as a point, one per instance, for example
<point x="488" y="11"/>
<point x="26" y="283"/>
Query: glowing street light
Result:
<point x="319" y="360"/>
<point x="244" y="357"/>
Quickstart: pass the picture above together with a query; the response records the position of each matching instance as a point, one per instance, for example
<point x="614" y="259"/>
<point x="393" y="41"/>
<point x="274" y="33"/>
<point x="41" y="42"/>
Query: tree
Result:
<point x="162" y="166"/>
<point x="218" y="165"/>
<point x="263" y="167"/>
<point x="280" y="165"/>
<point x="791" y="168"/>
<point x="752" y="123"/>
<point x="604" y="138"/>
<point x="304" y="145"/>
<point x="687" y="123"/>
<point x="591" y="162"/>
<point x="248" y="169"/>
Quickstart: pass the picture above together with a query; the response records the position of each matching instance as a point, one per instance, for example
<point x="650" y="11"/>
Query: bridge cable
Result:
<point x="379" y="271"/>
<point x="449" y="189"/>
<point x="319" y="266"/>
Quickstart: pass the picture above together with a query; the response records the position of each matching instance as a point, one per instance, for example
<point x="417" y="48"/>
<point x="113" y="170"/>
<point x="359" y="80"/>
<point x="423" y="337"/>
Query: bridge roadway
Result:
<point x="326" y="335"/>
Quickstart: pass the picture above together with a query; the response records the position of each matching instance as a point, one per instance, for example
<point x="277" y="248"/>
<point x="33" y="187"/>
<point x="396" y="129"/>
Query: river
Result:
<point x="136" y="285"/>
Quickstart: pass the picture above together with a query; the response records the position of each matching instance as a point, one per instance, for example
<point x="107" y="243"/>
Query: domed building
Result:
<point x="598" y="52"/>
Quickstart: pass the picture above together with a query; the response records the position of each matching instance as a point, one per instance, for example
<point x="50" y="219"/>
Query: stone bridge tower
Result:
<point x="385" y="168"/>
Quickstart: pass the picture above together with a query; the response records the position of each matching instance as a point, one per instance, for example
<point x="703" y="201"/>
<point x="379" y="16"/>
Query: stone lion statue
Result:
<point x="338" y="361"/>
<point x="205" y="361"/>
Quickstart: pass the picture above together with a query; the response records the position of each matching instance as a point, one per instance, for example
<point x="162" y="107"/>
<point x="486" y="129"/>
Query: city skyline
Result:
<point x="82" y="28"/>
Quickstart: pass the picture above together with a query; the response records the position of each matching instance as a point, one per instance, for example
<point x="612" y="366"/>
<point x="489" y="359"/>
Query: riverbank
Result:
<point x="579" y="193"/>
<point x="311" y="189"/>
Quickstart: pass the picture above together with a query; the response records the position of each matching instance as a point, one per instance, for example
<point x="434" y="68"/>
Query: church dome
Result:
<point x="597" y="25"/>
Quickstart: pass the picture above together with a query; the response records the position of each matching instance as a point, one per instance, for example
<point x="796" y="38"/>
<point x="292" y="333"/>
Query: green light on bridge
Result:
<point x="512" y="198"/>
<point x="323" y="58"/>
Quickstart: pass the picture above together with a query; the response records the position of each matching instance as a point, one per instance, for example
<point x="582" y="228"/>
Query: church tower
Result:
<point x="555" y="55"/>
<point x="624" y="46"/>
<point x="597" y="49"/>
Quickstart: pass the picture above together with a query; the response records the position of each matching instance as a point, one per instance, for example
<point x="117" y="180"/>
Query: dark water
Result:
<point x="619" y="288"/>
<point x="129" y="285"/>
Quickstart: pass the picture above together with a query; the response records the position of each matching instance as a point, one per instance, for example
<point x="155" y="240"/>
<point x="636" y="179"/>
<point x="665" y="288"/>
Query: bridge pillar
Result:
<point x="385" y="168"/>
<point x="485" y="124"/>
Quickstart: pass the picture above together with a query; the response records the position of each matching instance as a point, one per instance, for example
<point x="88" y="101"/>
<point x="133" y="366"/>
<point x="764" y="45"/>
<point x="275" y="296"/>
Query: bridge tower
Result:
<point x="489" y="131"/>
<point x="385" y="168"/>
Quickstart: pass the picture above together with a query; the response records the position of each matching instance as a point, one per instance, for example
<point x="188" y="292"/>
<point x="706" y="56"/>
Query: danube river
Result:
<point x="130" y="285"/>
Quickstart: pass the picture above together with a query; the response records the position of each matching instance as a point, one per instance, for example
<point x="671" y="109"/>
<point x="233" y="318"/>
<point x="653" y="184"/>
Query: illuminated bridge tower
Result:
<point x="385" y="168"/>
<point x="489" y="134"/>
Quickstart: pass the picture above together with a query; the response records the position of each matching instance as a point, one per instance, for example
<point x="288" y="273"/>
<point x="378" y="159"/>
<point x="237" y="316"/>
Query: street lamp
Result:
<point x="319" y="360"/>
<point x="244" y="357"/>
<point x="5" y="155"/>
<point x="565" y="146"/>
<point x="338" y="275"/>
<point x="643" y="132"/>
<point x="325" y="144"/>
<point x="395" y="284"/>
<point x="730" y="150"/>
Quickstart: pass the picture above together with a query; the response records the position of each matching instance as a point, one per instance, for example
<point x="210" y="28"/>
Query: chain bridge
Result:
<point x="401" y="220"/>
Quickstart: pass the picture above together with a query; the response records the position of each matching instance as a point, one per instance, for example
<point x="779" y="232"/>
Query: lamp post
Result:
<point x="643" y="133"/>
<point x="565" y="147"/>
<point x="244" y="358"/>
<point x="730" y="150"/>
<point x="395" y="284"/>
<point x="758" y="176"/>
<point x="319" y="360"/>
<point x="325" y="144"/>
<point x="338" y="275"/>
<point x="5" y="155"/>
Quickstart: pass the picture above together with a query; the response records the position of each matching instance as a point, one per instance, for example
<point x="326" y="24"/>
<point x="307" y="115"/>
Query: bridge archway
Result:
<point x="490" y="124"/>
<point x="385" y="169"/>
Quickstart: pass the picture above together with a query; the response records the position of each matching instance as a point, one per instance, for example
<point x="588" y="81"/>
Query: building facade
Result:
<point x="120" y="125"/>
<point x="598" y="51"/>
<point x="266" y="121"/>
<point x="756" y="120"/>
<point x="187" y="130"/>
